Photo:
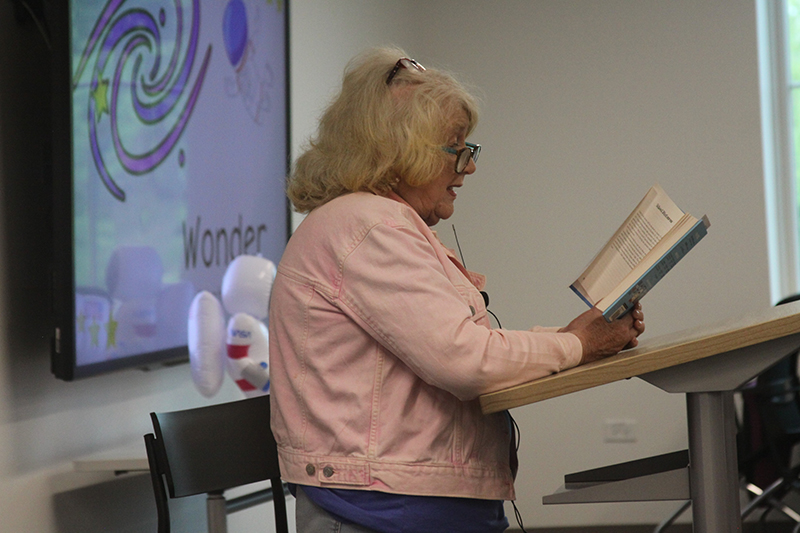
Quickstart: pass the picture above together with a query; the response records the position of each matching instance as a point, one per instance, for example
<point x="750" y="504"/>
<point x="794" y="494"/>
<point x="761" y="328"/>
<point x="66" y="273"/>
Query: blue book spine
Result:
<point x="581" y="296"/>
<point x="648" y="280"/>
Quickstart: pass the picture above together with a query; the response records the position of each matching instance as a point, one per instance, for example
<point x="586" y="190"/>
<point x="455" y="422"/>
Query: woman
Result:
<point x="380" y="342"/>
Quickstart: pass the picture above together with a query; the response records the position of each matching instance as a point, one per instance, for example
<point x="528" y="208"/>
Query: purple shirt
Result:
<point x="397" y="513"/>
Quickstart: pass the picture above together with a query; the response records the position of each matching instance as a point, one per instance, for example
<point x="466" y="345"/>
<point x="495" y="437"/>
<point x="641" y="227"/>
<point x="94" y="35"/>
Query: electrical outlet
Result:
<point x="619" y="430"/>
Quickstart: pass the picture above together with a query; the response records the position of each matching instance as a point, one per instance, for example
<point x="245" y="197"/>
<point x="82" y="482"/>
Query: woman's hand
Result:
<point x="600" y="338"/>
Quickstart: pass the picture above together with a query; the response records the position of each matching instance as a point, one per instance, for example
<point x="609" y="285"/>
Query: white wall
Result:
<point x="586" y="104"/>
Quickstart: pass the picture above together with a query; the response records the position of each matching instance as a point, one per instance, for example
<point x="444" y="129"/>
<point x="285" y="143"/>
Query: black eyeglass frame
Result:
<point x="462" y="161"/>
<point x="404" y="62"/>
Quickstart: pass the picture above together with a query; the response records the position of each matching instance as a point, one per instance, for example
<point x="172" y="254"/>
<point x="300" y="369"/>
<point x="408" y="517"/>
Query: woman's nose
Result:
<point x="471" y="167"/>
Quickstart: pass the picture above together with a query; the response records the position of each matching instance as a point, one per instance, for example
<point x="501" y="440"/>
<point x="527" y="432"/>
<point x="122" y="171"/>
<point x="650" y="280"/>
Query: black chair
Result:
<point x="212" y="449"/>
<point x="772" y="430"/>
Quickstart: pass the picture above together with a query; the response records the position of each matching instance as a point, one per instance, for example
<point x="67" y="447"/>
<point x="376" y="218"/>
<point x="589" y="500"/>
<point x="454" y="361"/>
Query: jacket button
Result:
<point x="310" y="469"/>
<point x="472" y="309"/>
<point x="327" y="471"/>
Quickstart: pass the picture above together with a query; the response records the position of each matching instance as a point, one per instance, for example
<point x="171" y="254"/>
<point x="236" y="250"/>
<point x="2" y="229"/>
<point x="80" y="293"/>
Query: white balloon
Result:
<point x="206" y="328"/>
<point x="247" y="284"/>
<point x="248" y="354"/>
<point x="244" y="346"/>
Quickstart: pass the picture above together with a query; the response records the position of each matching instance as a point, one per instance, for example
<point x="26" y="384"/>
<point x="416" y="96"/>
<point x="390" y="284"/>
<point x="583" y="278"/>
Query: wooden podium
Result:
<point x="706" y="363"/>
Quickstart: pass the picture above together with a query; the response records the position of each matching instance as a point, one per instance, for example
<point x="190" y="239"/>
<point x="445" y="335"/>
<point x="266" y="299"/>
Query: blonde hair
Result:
<point x="374" y="134"/>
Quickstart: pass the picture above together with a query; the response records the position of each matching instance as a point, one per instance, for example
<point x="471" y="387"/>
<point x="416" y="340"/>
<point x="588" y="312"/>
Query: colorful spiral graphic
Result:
<point x="161" y="100"/>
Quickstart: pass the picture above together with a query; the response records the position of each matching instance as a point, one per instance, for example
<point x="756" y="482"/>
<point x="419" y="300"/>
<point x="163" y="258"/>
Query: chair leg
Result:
<point x="766" y="496"/>
<point x="785" y="509"/>
<point x="761" y="496"/>
<point x="279" y="500"/>
<point x="216" y="512"/>
<point x="162" y="507"/>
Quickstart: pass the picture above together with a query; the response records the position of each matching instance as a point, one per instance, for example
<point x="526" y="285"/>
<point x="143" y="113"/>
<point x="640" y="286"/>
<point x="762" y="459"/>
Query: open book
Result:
<point x="654" y="237"/>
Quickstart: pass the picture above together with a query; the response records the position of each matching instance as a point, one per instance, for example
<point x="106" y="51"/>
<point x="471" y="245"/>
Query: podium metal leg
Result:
<point x="713" y="469"/>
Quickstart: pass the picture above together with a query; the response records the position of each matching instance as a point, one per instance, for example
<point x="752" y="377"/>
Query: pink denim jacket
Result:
<point x="380" y="345"/>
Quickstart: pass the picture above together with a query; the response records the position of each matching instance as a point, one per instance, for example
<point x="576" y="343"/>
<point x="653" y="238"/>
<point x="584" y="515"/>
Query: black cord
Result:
<point x="484" y="294"/>
<point x="518" y="516"/>
<point x="516" y="431"/>
<point x="517" y="513"/>
<point x="495" y="317"/>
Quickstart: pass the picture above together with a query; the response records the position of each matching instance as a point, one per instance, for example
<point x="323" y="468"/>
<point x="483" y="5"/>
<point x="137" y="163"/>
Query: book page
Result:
<point x="674" y="235"/>
<point x="655" y="215"/>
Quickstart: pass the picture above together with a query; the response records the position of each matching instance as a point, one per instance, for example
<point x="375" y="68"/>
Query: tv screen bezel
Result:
<point x="63" y="343"/>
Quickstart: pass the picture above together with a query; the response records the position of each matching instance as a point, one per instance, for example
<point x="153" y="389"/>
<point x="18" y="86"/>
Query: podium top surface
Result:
<point x="654" y="354"/>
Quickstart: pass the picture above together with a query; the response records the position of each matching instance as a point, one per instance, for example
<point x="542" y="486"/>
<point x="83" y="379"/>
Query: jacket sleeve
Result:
<point x="393" y="284"/>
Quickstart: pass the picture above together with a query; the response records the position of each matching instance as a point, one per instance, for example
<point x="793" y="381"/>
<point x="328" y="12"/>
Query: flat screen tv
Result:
<point x="170" y="122"/>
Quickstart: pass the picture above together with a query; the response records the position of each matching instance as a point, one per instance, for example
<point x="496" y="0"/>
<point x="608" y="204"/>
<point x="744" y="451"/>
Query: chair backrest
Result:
<point x="217" y="447"/>
<point x="778" y="387"/>
<point x="211" y="449"/>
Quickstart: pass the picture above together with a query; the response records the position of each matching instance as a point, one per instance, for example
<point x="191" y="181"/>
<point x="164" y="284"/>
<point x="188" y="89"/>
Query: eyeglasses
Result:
<point x="463" y="155"/>
<point x="404" y="62"/>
